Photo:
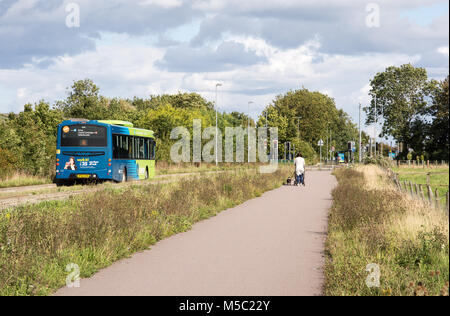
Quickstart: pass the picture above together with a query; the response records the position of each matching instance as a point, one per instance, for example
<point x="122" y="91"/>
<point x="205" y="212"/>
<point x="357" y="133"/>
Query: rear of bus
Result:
<point x="83" y="152"/>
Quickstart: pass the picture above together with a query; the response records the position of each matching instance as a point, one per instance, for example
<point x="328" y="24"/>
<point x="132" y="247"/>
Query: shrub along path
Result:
<point x="271" y="245"/>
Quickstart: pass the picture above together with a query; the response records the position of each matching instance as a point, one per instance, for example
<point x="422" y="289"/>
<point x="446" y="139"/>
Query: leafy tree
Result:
<point x="83" y="101"/>
<point x="399" y="95"/>
<point x="438" y="144"/>
<point x="31" y="136"/>
<point x="318" y="117"/>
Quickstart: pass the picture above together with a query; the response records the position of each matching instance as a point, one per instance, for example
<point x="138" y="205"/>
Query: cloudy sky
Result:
<point x="256" y="48"/>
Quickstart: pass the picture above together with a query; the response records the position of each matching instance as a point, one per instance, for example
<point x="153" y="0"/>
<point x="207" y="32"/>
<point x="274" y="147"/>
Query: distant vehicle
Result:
<point x="103" y="150"/>
<point x="340" y="157"/>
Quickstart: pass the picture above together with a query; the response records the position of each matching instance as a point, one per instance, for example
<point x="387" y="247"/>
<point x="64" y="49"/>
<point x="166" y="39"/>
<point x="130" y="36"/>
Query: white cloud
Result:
<point x="443" y="50"/>
<point x="127" y="69"/>
<point x="21" y="93"/>
<point x="166" y="4"/>
<point x="122" y="62"/>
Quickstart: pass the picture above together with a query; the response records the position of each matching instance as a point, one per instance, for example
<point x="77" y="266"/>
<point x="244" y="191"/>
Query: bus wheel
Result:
<point x="146" y="174"/>
<point x="124" y="175"/>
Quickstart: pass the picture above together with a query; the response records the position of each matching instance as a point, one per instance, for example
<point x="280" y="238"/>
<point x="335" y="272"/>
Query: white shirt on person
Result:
<point x="299" y="165"/>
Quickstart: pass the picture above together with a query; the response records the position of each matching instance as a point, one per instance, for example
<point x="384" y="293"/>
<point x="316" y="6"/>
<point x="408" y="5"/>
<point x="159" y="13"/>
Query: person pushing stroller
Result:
<point x="299" y="163"/>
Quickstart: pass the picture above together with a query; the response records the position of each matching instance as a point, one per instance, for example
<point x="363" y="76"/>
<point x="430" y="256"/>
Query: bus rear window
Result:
<point x="83" y="136"/>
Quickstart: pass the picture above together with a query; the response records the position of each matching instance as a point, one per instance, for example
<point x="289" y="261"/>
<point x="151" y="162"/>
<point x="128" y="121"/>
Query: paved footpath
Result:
<point x="271" y="245"/>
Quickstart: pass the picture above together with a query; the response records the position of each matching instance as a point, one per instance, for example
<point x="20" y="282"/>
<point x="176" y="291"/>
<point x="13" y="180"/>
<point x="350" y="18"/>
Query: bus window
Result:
<point x="141" y="148"/>
<point x="124" y="147"/>
<point x="131" y="151"/>
<point x="136" y="148"/>
<point x="83" y="136"/>
<point x="152" y="149"/>
<point x="146" y="147"/>
<point x="115" y="146"/>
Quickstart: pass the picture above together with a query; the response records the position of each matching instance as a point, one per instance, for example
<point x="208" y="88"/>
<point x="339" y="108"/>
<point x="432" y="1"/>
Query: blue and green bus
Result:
<point x="103" y="150"/>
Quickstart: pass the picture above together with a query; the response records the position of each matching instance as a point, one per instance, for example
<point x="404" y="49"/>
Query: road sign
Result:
<point x="320" y="143"/>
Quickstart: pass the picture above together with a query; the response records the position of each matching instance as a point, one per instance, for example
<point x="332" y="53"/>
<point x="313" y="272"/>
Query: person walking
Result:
<point x="299" y="163"/>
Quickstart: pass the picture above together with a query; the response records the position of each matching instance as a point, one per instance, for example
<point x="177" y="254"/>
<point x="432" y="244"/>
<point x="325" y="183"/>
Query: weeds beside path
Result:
<point x="38" y="241"/>
<point x="20" y="180"/>
<point x="372" y="223"/>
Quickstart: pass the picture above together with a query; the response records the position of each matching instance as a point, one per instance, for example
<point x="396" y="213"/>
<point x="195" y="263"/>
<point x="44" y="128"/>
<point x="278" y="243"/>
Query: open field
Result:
<point x="439" y="177"/>
<point x="371" y="222"/>
<point x="38" y="241"/>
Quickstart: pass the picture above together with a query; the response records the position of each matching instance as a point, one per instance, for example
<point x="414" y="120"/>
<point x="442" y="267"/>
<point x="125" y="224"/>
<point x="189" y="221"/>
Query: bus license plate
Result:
<point x="83" y="176"/>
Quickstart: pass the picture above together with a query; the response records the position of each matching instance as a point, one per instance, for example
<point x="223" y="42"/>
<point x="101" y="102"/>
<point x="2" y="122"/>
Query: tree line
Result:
<point x="412" y="109"/>
<point x="28" y="139"/>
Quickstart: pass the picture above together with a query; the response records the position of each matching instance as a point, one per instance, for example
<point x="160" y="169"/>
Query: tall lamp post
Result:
<point x="360" y="138"/>
<point x="248" y="130"/>
<point x="217" y="141"/>
<point x="376" y="123"/>
<point x="266" y="118"/>
<point x="298" y="130"/>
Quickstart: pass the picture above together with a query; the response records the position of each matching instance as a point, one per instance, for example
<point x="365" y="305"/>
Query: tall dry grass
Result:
<point x="372" y="222"/>
<point x="21" y="179"/>
<point x="37" y="242"/>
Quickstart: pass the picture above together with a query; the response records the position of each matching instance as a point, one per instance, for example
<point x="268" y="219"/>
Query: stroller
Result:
<point x="295" y="179"/>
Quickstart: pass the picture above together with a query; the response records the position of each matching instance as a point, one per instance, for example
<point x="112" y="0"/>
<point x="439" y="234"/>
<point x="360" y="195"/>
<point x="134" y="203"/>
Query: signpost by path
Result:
<point x="320" y="144"/>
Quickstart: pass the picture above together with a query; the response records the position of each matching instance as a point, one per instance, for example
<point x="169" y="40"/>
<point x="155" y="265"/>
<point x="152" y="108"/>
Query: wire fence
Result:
<point x="423" y="191"/>
<point x="422" y="163"/>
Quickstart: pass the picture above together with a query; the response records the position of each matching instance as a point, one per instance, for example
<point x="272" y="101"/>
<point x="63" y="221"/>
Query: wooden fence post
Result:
<point x="421" y="192"/>
<point x="447" y="202"/>
<point x="436" y="198"/>
<point x="430" y="194"/>
<point x="416" y="186"/>
<point x="399" y="185"/>
<point x="428" y="178"/>
<point x="411" y="188"/>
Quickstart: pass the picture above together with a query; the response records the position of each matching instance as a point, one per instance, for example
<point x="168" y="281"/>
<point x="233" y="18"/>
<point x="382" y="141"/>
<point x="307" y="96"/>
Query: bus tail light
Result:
<point x="109" y="164"/>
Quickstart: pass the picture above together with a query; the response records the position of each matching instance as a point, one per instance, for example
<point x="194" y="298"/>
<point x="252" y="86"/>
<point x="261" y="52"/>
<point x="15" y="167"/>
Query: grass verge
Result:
<point x="20" y="180"/>
<point x="37" y="242"/>
<point x="371" y="222"/>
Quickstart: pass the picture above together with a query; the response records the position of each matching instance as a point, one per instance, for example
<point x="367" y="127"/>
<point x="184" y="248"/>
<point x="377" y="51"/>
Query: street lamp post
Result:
<point x="360" y="140"/>
<point x="248" y="131"/>
<point x="217" y="142"/>
<point x="298" y="130"/>
<point x="376" y="123"/>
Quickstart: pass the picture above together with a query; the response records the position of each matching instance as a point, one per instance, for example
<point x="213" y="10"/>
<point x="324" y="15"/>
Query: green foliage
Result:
<point x="8" y="162"/>
<point x="28" y="139"/>
<point x="405" y="100"/>
<point x="318" y="117"/>
<point x="438" y="145"/>
<point x="31" y="136"/>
